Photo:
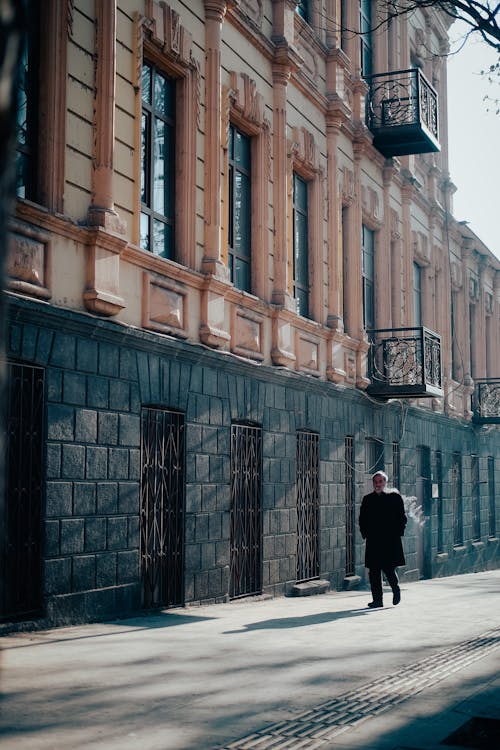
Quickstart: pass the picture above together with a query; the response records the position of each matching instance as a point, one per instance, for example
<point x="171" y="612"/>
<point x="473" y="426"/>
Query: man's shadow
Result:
<point x="300" y="622"/>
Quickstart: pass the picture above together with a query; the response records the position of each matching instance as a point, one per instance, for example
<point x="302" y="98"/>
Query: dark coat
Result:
<point x="382" y="522"/>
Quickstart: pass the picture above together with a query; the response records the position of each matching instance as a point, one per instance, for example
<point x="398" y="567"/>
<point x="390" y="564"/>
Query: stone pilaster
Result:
<point x="102" y="295"/>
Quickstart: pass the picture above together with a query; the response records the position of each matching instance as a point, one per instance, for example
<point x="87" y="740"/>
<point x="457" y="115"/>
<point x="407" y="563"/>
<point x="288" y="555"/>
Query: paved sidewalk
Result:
<point x="305" y="673"/>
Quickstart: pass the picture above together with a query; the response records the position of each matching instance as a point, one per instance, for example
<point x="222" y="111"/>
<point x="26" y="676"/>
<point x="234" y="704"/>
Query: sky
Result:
<point x="474" y="140"/>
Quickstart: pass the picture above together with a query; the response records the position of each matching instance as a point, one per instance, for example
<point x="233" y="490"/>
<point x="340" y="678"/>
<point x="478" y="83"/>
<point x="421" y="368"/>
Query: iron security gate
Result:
<point x="350" y="508"/>
<point x="162" y="508"/>
<point x="22" y="560"/>
<point x="246" y="521"/>
<point x="307" y="505"/>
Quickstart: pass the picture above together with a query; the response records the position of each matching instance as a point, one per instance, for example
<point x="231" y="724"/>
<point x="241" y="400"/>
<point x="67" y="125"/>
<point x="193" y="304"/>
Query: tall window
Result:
<point x="157" y="162"/>
<point x="491" y="495"/>
<point x="300" y="246"/>
<point x="368" y="269"/>
<point x="27" y="111"/>
<point x="417" y="294"/>
<point x="303" y="9"/>
<point x="365" y="26"/>
<point x="239" y="226"/>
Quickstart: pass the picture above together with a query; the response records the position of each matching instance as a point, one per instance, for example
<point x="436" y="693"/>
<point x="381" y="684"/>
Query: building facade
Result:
<point x="236" y="288"/>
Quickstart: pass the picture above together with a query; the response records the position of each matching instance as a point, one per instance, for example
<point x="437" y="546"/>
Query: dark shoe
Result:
<point x="373" y="605"/>
<point x="396" y="596"/>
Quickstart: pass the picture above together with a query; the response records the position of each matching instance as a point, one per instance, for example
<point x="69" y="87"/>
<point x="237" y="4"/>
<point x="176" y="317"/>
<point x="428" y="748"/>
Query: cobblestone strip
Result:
<point x="312" y="729"/>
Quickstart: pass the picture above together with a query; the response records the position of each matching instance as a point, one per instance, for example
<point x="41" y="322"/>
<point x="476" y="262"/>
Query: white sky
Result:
<point x="474" y="140"/>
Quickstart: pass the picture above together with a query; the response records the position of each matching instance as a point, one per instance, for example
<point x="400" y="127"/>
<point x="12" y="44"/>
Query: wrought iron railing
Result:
<point x="405" y="362"/>
<point x="402" y="97"/>
<point x="486" y="400"/>
<point x="403" y="101"/>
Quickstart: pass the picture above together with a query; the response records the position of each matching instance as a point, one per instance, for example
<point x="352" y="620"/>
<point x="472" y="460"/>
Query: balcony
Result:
<point x="402" y="113"/>
<point x="486" y="401"/>
<point x="404" y="363"/>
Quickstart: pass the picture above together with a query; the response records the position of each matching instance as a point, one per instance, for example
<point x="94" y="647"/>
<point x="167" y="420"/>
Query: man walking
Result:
<point x="382" y="522"/>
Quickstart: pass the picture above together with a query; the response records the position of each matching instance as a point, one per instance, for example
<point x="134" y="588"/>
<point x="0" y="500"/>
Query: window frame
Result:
<point x="300" y="285"/>
<point x="233" y="253"/>
<point x="151" y="113"/>
<point x="368" y="280"/>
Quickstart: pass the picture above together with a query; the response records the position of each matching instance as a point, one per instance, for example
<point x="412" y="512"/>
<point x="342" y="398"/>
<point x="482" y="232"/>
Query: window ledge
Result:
<point x="442" y="557"/>
<point x="477" y="544"/>
<point x="459" y="549"/>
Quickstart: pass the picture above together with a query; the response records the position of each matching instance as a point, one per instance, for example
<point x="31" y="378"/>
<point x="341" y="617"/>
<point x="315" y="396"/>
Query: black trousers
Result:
<point x="375" y="575"/>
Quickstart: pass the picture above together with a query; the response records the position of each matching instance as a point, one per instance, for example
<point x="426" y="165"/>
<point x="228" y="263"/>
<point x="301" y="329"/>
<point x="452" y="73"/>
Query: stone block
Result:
<point x="57" y="578"/>
<point x="107" y="428"/>
<point x="63" y="351"/>
<point x="127" y="566"/>
<point x="309" y="588"/>
<point x="201" y="526"/>
<point x="194" y="498"/>
<point x="119" y="395"/>
<point x="128" y="364"/>
<point x="73" y="461"/>
<point x="109" y="359"/>
<point x="117" y="533"/>
<point x="84" y="498"/>
<point x="54" y="385"/>
<point x="53" y="460"/>
<point x="128" y="497"/>
<point x="133" y="532"/>
<point x="86" y="355"/>
<point x="97" y="463"/>
<point x="192" y="557"/>
<point x="74" y="388"/>
<point x="208" y="497"/>
<point x="118" y="463"/>
<point x="129" y="430"/>
<point x="60" y="422"/>
<point x="85" y="426"/>
<point x="83" y="574"/>
<point x="59" y="499"/>
<point x="107" y="497"/>
<point x="72" y="536"/>
<point x="207" y="555"/>
<point x="97" y="392"/>
<point x="202" y="469"/>
<point x="44" y="346"/>
<point x="105" y="569"/>
<point x="134" y="464"/>
<point x="95" y="534"/>
<point x="51" y="538"/>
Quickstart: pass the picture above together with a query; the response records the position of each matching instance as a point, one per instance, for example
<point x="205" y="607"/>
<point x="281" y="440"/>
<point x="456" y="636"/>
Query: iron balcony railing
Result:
<point x="404" y="362"/>
<point x="402" y="113"/>
<point x="486" y="401"/>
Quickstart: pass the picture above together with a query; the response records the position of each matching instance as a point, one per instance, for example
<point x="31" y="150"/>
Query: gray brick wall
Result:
<point x="95" y="391"/>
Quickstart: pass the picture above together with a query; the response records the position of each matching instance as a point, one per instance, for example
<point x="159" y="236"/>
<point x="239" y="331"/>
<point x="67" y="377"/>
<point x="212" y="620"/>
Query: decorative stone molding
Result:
<point x="488" y="303"/>
<point x="164" y="28"/>
<point x="247" y="338"/>
<point x="213" y="326"/>
<point x="420" y="247"/>
<point x="103" y="273"/>
<point x="29" y="261"/>
<point x="456" y="275"/>
<point x="473" y="287"/>
<point x="303" y="150"/>
<point x="308" y="354"/>
<point x="164" y="305"/>
<point x="395" y="223"/>
<point x="371" y="206"/>
<point x="254" y="10"/>
<point x="282" y="353"/>
<point x="245" y="99"/>
<point x="348" y="186"/>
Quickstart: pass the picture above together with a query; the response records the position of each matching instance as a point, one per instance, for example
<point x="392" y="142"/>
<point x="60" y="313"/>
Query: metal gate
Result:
<point x="307" y="505"/>
<point x="246" y="521"/>
<point x="162" y="508"/>
<point x="350" y="509"/>
<point x="22" y="558"/>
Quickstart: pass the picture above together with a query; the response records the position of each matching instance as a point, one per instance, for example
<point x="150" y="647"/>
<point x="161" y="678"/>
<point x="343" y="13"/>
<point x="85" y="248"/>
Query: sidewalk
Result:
<point x="311" y="673"/>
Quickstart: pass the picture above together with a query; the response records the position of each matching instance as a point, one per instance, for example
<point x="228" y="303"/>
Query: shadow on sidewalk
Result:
<point x="300" y="622"/>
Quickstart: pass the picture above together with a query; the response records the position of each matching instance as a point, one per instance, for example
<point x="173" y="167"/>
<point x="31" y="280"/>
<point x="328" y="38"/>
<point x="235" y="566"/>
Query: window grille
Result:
<point x="307" y="480"/>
